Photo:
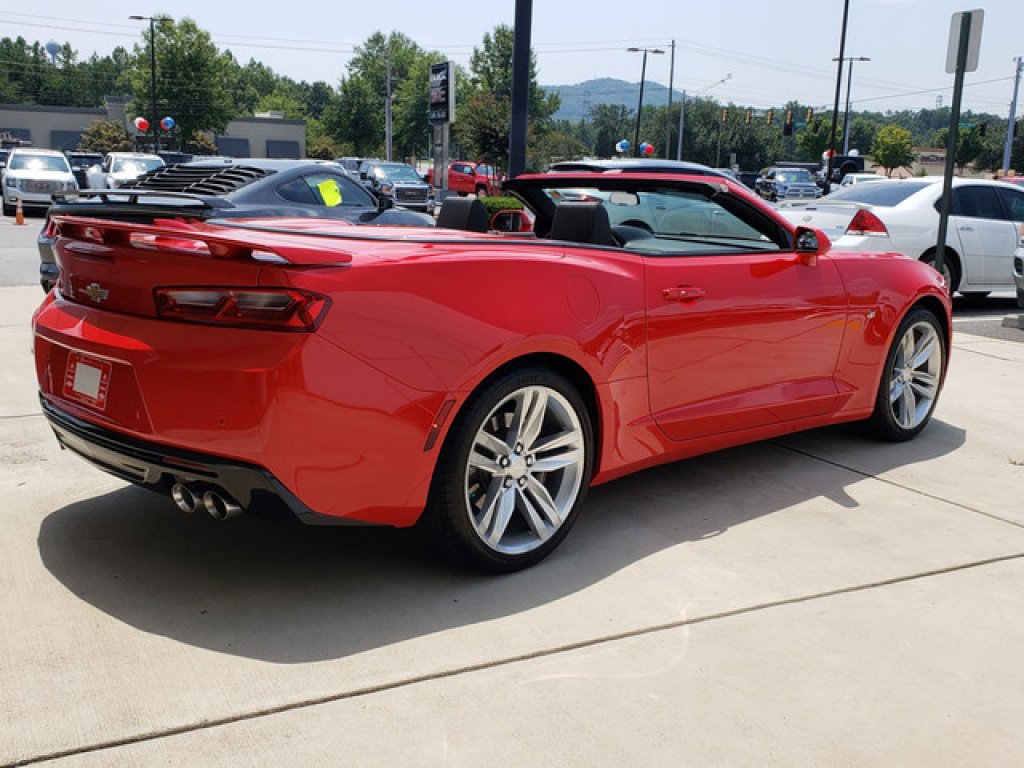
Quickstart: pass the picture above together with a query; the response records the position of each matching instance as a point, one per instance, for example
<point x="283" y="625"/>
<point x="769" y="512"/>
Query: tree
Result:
<point x="814" y="140"/>
<point x="892" y="149"/>
<point x="491" y="88"/>
<point x="193" y="83"/>
<point x="105" y="136"/>
<point x="610" y="123"/>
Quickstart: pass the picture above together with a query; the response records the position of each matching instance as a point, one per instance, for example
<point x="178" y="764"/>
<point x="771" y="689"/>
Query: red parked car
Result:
<point x="475" y="382"/>
<point x="466" y="178"/>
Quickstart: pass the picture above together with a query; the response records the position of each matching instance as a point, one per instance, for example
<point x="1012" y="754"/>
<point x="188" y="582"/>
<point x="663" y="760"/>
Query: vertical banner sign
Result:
<point x="442" y="93"/>
<point x="441" y="115"/>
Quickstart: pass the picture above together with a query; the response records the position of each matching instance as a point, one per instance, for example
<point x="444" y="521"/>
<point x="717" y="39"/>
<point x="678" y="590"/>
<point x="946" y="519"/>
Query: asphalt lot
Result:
<point x="815" y="600"/>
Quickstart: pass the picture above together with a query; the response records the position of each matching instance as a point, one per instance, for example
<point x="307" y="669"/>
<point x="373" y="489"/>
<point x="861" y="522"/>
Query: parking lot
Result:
<point x="814" y="600"/>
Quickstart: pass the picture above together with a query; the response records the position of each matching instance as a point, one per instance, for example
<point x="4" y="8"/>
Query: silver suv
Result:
<point x="33" y="176"/>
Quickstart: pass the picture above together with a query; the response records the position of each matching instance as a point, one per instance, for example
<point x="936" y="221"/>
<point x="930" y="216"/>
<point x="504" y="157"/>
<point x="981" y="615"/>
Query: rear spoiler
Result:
<point x="239" y="244"/>
<point x="135" y="202"/>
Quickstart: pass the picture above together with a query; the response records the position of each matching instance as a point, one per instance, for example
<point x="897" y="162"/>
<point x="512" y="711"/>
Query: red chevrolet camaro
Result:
<point x="475" y="381"/>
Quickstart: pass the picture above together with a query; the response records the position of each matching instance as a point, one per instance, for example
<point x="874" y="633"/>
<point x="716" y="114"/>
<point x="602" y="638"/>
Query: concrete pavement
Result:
<point x="817" y="600"/>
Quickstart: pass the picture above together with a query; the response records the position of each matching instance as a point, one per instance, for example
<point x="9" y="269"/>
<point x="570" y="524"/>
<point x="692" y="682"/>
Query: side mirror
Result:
<point x="511" y="220"/>
<point x="810" y="244"/>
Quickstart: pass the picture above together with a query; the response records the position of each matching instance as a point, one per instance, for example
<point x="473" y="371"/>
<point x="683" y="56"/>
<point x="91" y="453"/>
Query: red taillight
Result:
<point x="274" y="309"/>
<point x="866" y="223"/>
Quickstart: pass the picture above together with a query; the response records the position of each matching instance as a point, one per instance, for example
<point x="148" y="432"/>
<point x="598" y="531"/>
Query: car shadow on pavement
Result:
<point x="292" y="594"/>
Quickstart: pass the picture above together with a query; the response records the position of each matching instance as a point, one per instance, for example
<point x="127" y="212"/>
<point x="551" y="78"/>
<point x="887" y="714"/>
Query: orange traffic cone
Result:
<point x="19" y="215"/>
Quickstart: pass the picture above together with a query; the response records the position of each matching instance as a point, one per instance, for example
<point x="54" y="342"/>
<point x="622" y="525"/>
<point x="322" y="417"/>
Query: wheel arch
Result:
<point x="566" y="367"/>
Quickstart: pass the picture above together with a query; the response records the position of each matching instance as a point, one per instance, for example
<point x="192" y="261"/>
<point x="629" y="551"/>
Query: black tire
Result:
<point x="503" y="495"/>
<point x="909" y="389"/>
<point x="481" y="191"/>
<point x="1020" y="298"/>
<point x="951" y="263"/>
<point x="8" y="210"/>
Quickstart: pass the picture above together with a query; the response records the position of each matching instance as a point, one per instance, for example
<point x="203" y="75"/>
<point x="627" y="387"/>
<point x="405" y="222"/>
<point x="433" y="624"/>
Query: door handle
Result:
<point x="966" y="228"/>
<point x="683" y="293"/>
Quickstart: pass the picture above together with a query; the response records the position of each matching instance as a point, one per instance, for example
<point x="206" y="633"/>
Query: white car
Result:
<point x="859" y="178"/>
<point x="33" y="176"/>
<point x="1018" y="269"/>
<point x="121" y="167"/>
<point x="902" y="215"/>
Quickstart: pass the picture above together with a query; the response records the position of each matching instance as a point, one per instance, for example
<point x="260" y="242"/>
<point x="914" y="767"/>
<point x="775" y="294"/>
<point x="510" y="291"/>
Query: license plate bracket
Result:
<point x="87" y="380"/>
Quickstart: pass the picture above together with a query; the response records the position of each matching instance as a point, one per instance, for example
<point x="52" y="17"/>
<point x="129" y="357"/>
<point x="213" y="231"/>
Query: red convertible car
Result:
<point x="476" y="382"/>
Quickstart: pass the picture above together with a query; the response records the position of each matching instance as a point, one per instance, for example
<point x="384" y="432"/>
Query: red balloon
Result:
<point x="649" y="149"/>
<point x="142" y="124"/>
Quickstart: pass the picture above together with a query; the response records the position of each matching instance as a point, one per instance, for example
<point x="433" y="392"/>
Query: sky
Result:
<point x="771" y="51"/>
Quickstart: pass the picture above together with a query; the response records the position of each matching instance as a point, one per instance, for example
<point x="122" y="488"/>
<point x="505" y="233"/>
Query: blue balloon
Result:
<point x="167" y="123"/>
<point x="622" y="146"/>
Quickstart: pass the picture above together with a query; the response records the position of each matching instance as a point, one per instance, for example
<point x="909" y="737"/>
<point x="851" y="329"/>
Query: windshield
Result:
<point x="399" y="173"/>
<point x="794" y="176"/>
<point x="884" y="193"/>
<point x="21" y="162"/>
<point x="136" y="165"/>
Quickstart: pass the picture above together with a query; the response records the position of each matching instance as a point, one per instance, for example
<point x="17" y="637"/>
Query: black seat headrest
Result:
<point x="582" y="222"/>
<point x="466" y="213"/>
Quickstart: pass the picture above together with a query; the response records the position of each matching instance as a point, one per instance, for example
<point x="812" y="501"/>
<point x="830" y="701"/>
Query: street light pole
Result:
<point x="154" y="119"/>
<point x="849" y="84"/>
<point x="640" y="101"/>
<point x="682" y="112"/>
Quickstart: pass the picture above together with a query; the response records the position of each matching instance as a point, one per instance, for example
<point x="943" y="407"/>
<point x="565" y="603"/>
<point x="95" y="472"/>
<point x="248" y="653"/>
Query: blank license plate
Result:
<point x="87" y="380"/>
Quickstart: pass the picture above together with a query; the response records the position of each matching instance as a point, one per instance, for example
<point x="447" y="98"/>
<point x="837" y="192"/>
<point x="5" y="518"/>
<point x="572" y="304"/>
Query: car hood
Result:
<point x="28" y="173"/>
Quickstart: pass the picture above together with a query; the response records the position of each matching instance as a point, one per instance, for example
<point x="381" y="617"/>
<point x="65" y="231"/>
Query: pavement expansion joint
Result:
<point x="901" y="486"/>
<point x="211" y="723"/>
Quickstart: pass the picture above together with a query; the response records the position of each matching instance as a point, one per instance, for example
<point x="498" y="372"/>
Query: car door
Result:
<point x="742" y="332"/>
<point x="987" y="236"/>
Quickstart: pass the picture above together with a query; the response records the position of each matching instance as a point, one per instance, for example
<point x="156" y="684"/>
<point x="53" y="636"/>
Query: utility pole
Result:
<point x="1013" y="117"/>
<point x="682" y="116"/>
<point x="387" y="109"/>
<point x="668" y="114"/>
<point x="835" y="107"/>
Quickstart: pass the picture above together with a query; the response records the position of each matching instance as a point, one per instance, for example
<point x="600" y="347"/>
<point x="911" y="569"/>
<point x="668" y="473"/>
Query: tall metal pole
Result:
<point x="682" y="115"/>
<point x="154" y="119"/>
<point x="520" y="88"/>
<point x="152" y="83"/>
<point x="951" y="142"/>
<point x="387" y="109"/>
<point x="668" y="114"/>
<point x="1013" y="116"/>
<point x="835" y="107"/>
<point x="846" y="113"/>
<point x="639" y="107"/>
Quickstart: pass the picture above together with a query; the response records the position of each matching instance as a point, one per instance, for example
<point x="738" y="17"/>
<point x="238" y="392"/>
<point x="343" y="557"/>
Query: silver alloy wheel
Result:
<point x="915" y="375"/>
<point x="525" y="470"/>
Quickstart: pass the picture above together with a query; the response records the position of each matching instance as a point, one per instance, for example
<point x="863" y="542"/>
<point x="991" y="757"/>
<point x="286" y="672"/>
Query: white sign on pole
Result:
<point x="973" y="43"/>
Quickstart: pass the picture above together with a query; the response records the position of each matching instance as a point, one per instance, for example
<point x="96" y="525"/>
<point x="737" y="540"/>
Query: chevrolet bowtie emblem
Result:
<point x="96" y="292"/>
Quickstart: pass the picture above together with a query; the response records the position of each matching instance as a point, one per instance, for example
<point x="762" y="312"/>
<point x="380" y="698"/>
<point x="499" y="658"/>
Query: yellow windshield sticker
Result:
<point x="330" y="192"/>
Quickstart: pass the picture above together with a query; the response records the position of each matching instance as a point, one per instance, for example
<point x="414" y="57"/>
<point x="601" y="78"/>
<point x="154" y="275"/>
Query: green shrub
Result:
<point x="495" y="204"/>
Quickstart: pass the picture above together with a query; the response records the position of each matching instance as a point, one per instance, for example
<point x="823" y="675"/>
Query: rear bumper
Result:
<point x="158" y="467"/>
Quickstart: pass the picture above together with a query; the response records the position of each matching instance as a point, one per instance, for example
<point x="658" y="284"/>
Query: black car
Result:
<point x="400" y="182"/>
<point x="244" y="188"/>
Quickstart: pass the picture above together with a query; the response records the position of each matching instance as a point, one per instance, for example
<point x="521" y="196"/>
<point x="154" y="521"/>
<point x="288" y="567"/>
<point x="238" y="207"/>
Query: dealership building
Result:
<point x="262" y="135"/>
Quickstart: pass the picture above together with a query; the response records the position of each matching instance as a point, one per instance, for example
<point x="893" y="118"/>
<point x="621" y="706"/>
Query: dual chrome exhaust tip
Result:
<point x="218" y="504"/>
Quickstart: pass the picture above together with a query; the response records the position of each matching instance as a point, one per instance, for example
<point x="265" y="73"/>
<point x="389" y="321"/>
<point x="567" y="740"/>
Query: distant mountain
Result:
<point x="577" y="99"/>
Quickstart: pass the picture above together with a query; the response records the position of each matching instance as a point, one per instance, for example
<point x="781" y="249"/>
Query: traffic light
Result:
<point x="787" y="127"/>
<point x="746" y="120"/>
<point x="810" y="115"/>
<point x="725" y="114"/>
<point x="770" y="117"/>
